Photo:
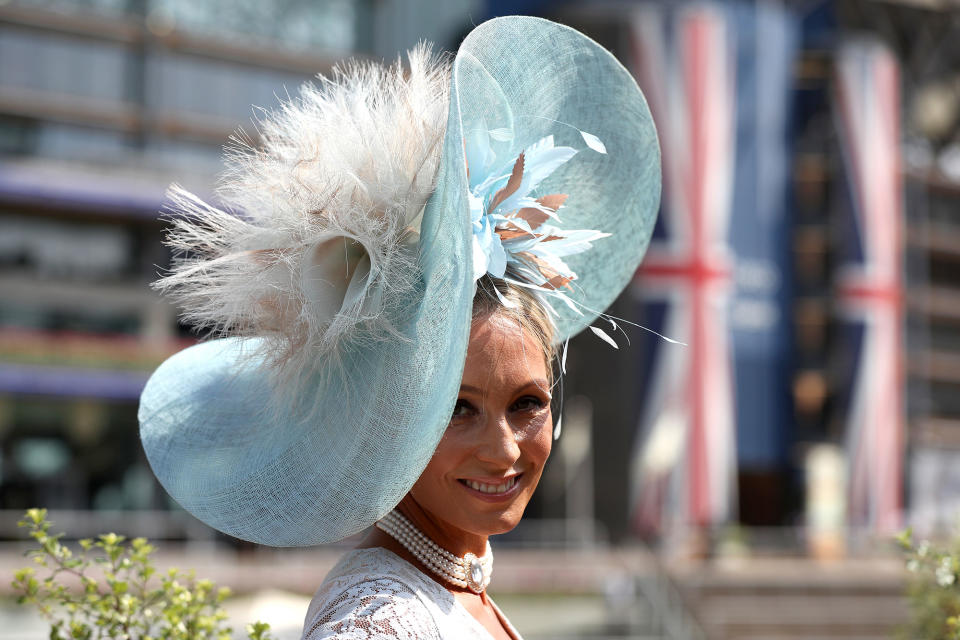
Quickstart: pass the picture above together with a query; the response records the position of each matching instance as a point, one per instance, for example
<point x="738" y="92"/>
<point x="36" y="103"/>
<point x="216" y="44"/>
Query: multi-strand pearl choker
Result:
<point x="469" y="571"/>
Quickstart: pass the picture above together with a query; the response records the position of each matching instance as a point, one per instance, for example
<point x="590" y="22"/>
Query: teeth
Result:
<point x="490" y="488"/>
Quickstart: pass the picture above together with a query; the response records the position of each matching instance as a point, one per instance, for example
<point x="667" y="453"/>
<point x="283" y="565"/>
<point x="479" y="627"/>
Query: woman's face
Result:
<point x="490" y="459"/>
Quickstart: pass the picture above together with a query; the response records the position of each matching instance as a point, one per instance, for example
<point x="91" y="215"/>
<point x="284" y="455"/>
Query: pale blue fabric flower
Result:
<point x="510" y="222"/>
<point x="488" y="251"/>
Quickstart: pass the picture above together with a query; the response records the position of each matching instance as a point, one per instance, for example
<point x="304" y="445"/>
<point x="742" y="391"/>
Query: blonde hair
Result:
<point x="526" y="309"/>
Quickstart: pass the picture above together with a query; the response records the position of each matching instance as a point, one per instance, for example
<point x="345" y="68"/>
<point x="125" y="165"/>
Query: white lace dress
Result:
<point x="373" y="593"/>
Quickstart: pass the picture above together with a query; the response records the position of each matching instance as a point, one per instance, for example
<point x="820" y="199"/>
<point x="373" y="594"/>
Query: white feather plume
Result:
<point x="352" y="158"/>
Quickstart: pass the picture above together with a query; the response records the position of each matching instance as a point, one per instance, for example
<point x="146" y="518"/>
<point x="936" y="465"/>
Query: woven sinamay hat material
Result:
<point x="343" y="291"/>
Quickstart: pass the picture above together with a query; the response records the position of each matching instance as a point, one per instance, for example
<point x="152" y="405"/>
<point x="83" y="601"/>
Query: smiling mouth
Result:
<point x="492" y="489"/>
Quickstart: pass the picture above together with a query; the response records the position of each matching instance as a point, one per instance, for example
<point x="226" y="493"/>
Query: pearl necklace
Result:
<point x="469" y="571"/>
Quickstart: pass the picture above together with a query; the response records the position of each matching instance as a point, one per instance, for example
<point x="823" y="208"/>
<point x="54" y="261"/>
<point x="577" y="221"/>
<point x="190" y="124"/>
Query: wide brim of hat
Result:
<point x="291" y="474"/>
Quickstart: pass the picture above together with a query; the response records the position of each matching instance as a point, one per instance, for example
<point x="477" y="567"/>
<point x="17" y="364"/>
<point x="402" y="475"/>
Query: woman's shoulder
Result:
<point x="372" y="593"/>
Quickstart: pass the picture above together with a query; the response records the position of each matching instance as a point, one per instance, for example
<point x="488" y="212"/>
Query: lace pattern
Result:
<point x="374" y="594"/>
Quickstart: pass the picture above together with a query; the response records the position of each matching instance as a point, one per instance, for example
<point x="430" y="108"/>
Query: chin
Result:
<point x="494" y="527"/>
<point x="466" y="505"/>
<point x="492" y="523"/>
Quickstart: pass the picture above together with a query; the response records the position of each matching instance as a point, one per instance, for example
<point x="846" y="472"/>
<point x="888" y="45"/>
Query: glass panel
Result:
<point x="55" y="249"/>
<point x="291" y="24"/>
<point x="73" y="142"/>
<point x="180" y="84"/>
<point x="73" y="454"/>
<point x="107" y="7"/>
<point x="51" y="62"/>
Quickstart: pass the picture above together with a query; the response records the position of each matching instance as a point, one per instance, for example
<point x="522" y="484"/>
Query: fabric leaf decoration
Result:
<point x="594" y="142"/>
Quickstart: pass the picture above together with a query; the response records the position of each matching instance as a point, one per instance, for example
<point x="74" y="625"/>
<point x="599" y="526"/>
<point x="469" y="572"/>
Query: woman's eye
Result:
<point x="461" y="409"/>
<point x="528" y="403"/>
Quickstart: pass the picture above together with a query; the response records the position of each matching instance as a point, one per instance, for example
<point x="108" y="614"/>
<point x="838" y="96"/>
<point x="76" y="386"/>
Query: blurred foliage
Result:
<point x="933" y="590"/>
<point x="111" y="589"/>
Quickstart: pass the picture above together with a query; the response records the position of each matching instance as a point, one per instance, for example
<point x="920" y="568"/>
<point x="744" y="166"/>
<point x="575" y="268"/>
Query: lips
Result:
<point x="492" y="487"/>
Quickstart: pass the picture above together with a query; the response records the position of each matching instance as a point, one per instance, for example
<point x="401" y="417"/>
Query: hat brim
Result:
<point x="210" y="426"/>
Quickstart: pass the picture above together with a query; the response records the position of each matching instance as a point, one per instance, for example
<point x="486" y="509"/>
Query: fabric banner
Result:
<point x="869" y="283"/>
<point x="717" y="79"/>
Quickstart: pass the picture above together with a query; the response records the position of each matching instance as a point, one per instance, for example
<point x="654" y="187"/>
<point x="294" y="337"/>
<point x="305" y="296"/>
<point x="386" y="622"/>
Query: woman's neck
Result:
<point x="456" y="541"/>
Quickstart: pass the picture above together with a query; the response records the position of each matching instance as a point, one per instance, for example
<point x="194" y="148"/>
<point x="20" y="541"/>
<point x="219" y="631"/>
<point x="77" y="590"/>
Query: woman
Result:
<point x="413" y="245"/>
<point x="477" y="484"/>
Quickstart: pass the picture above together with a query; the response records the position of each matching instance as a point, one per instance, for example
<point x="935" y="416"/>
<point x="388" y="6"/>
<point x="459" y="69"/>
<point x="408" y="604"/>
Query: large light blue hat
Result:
<point x="345" y="287"/>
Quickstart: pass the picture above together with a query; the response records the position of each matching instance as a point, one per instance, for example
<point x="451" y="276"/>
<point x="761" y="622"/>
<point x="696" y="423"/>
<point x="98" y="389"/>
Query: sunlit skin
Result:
<point x="501" y="428"/>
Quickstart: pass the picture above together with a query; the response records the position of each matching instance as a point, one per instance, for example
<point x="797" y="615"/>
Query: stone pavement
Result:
<point x="547" y="590"/>
<point x="795" y="598"/>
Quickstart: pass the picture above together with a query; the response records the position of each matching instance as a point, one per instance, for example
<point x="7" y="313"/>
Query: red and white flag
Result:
<point x="869" y="283"/>
<point x="685" y="463"/>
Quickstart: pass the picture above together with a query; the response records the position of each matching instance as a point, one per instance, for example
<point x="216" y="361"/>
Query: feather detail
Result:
<point x="558" y="281"/>
<point x="553" y="279"/>
<point x="600" y="333"/>
<point x="511" y="237"/>
<point x="510" y="234"/>
<point x="546" y="206"/>
<point x="535" y="217"/>
<point x="593" y="142"/>
<point x="516" y="177"/>
<point x="553" y="201"/>
<point x="311" y="248"/>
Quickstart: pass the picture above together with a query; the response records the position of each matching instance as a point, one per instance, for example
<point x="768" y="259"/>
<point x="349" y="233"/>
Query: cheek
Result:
<point x="453" y="449"/>
<point x="428" y="488"/>
<point x="535" y="439"/>
<point x="442" y="457"/>
<point x="540" y="442"/>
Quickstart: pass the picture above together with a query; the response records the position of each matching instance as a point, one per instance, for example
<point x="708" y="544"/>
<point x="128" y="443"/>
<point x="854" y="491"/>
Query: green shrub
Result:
<point x="933" y="590"/>
<point x="126" y="599"/>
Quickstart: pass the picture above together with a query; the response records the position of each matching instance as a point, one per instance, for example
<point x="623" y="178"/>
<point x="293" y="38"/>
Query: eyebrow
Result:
<point x="539" y="383"/>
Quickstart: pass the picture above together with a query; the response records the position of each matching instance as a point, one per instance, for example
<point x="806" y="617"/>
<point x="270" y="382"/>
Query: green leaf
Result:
<point x="22" y="574"/>
<point x="135" y="602"/>
<point x="905" y="538"/>
<point x="258" y="631"/>
<point x="110" y="539"/>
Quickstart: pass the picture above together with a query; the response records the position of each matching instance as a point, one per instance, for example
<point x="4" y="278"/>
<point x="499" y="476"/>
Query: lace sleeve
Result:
<point x="381" y="609"/>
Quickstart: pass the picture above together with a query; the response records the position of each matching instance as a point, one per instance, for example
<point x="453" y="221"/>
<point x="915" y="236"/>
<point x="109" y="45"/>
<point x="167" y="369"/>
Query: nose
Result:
<point x="498" y="444"/>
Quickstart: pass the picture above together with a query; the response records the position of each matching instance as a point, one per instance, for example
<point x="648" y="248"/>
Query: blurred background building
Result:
<point x="807" y="253"/>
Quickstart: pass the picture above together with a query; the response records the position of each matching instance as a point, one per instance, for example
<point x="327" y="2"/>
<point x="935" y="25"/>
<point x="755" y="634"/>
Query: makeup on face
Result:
<point x="490" y="459"/>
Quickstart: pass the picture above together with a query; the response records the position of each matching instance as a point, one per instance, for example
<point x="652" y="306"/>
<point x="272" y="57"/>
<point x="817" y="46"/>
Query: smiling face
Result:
<point x="491" y="456"/>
